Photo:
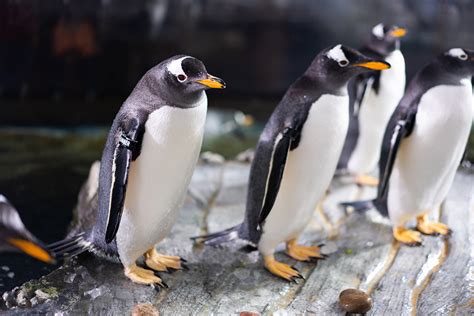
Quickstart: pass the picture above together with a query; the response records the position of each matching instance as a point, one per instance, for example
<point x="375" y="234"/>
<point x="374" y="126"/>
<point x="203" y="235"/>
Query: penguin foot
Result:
<point x="406" y="236"/>
<point x="159" y="262"/>
<point x="280" y="269"/>
<point x="367" y="180"/>
<point x="431" y="228"/>
<point x="303" y="253"/>
<point x="143" y="276"/>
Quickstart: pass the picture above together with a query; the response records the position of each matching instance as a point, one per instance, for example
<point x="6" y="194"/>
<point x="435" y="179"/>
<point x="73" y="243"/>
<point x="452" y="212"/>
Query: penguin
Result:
<point x="296" y="157"/>
<point x="373" y="98"/>
<point x="146" y="166"/>
<point x="423" y="144"/>
<point x="14" y="237"/>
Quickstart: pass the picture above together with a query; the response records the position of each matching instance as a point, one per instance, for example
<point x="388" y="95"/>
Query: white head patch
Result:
<point x="175" y="66"/>
<point x="456" y="52"/>
<point x="3" y="198"/>
<point x="378" y="31"/>
<point x="337" y="54"/>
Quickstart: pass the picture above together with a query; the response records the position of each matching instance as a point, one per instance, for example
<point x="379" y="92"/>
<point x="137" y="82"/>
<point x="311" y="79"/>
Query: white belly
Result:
<point x="308" y="171"/>
<point x="375" y="112"/>
<point x="159" y="178"/>
<point x="428" y="159"/>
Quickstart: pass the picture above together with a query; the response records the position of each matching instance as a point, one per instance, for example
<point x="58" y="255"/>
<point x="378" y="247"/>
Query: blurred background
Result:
<point x="66" y="66"/>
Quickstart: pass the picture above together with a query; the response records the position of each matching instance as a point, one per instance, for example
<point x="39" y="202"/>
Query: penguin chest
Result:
<point x="309" y="167"/>
<point x="159" y="177"/>
<point x="428" y="158"/>
<point x="375" y="111"/>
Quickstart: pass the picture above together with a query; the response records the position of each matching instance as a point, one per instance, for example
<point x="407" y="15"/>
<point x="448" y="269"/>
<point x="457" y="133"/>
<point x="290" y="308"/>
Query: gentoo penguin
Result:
<point x="423" y="145"/>
<point x="16" y="238"/>
<point x="147" y="163"/>
<point x="373" y="97"/>
<point x="296" y="157"/>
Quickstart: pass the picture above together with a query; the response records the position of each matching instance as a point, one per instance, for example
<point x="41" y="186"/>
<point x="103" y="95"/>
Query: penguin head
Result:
<point x="336" y="65"/>
<point x="15" y="238"/>
<point x="459" y="61"/>
<point x="385" y="39"/>
<point x="181" y="79"/>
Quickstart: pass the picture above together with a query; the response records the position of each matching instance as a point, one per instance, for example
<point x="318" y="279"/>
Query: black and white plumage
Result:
<point x="147" y="163"/>
<point x="424" y="143"/>
<point x="297" y="154"/>
<point x="373" y="98"/>
<point x="14" y="237"/>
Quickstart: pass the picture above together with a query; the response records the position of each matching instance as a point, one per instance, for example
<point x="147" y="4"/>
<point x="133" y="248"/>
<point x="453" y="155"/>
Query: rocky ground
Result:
<point x="435" y="278"/>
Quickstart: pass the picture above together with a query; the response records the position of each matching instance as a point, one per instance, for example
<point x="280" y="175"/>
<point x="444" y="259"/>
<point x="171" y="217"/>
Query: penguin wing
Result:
<point x="126" y="144"/>
<point x="359" y="86"/>
<point x="279" y="155"/>
<point x="400" y="126"/>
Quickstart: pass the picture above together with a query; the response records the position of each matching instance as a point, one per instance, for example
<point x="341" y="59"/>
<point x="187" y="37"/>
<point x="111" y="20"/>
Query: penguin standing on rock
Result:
<point x="15" y="237"/>
<point x="296" y="157"/>
<point x="423" y="145"/>
<point x="147" y="164"/>
<point x="373" y="98"/>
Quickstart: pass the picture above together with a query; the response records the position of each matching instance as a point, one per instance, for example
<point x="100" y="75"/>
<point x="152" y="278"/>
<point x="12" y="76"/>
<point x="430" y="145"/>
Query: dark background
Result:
<point x="73" y="62"/>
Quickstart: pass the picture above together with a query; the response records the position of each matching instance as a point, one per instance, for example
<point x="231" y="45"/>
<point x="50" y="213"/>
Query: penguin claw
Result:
<point x="184" y="267"/>
<point x="304" y="253"/>
<point x="163" y="284"/>
<point x="156" y="287"/>
<point x="164" y="263"/>
<point x="183" y="260"/>
<point x="281" y="269"/>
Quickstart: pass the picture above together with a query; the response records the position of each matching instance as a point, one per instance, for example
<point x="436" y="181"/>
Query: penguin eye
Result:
<point x="181" y="77"/>
<point x="463" y="57"/>
<point x="343" y="63"/>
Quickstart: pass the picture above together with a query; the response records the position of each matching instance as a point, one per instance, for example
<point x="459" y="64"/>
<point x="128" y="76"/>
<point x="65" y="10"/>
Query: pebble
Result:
<point x="355" y="301"/>
<point x="145" y="309"/>
<point x="247" y="313"/>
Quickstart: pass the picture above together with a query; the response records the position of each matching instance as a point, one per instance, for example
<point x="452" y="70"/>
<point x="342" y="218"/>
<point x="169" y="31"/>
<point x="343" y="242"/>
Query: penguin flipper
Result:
<point x="277" y="166"/>
<point x="396" y="131"/>
<point x="127" y="145"/>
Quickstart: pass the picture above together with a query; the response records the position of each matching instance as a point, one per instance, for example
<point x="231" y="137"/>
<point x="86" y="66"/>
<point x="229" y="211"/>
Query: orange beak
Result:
<point x="31" y="249"/>
<point x="400" y="32"/>
<point x="375" y="65"/>
<point x="212" y="82"/>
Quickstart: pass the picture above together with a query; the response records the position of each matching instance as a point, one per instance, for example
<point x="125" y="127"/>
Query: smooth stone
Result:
<point x="355" y="301"/>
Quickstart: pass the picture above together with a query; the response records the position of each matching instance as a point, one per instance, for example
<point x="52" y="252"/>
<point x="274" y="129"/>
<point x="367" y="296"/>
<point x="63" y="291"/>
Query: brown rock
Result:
<point x="249" y="313"/>
<point x="145" y="309"/>
<point x="355" y="301"/>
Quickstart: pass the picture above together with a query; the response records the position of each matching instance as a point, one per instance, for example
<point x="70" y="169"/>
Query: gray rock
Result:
<point x="431" y="279"/>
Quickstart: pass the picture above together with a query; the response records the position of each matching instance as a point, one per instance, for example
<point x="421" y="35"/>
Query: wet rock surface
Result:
<point x="431" y="279"/>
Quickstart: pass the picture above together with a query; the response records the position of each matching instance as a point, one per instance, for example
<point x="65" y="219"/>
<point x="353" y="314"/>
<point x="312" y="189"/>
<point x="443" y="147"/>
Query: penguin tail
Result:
<point x="70" y="247"/>
<point x="358" y="206"/>
<point x="219" y="237"/>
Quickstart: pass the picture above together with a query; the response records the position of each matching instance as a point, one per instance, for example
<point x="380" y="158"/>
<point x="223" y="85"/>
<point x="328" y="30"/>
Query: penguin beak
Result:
<point x="212" y="82"/>
<point x="32" y="249"/>
<point x="399" y="32"/>
<point x="375" y="65"/>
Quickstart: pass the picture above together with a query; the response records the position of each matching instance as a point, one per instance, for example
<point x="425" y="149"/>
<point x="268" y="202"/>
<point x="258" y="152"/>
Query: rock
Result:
<point x="355" y="301"/>
<point x="433" y="279"/>
<point x="246" y="155"/>
<point x="249" y="314"/>
<point x="210" y="157"/>
<point x="144" y="309"/>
